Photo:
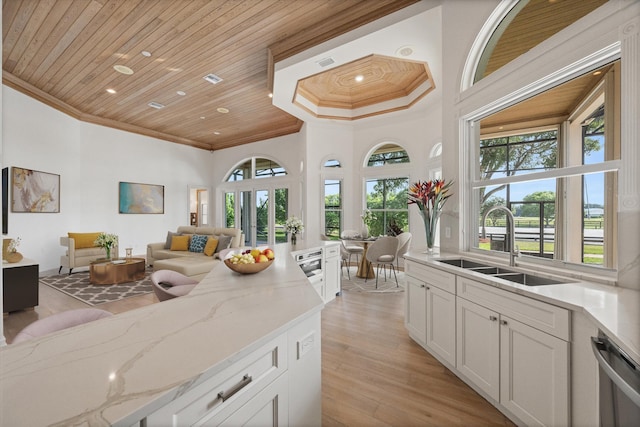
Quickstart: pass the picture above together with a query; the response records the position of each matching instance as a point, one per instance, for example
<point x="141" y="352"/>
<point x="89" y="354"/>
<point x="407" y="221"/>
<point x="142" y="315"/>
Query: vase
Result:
<point x="294" y="239"/>
<point x="364" y="233"/>
<point x="430" y="228"/>
<point x="14" y="257"/>
<point x="108" y="249"/>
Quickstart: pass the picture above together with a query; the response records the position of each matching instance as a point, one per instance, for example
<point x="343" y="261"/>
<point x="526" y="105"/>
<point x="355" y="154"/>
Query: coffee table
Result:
<point x="103" y="272"/>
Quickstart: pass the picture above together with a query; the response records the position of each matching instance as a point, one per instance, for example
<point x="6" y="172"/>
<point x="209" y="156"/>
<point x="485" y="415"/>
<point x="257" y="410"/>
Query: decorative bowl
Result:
<point x="248" y="268"/>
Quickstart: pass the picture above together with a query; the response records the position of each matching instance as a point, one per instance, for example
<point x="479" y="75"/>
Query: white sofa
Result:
<point x="75" y="257"/>
<point x="191" y="264"/>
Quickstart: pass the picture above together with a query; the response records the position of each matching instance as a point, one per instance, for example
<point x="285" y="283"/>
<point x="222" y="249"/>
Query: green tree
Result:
<point x="533" y="209"/>
<point x="507" y="155"/>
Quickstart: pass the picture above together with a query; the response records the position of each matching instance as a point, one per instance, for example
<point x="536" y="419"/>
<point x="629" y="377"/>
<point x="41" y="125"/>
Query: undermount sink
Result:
<point x="501" y="273"/>
<point x="528" y="279"/>
<point x="463" y="263"/>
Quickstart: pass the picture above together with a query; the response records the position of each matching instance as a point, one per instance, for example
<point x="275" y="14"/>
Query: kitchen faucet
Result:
<point x="513" y="249"/>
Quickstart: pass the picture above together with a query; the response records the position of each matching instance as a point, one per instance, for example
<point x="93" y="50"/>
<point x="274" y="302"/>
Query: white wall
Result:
<point x="91" y="160"/>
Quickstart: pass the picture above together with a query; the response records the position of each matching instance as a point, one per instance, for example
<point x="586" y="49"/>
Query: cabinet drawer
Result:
<point x="228" y="390"/>
<point x="542" y="316"/>
<point x="331" y="251"/>
<point x="433" y="276"/>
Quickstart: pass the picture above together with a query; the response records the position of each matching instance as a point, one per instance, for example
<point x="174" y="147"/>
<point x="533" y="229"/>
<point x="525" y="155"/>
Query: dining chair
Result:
<point x="404" y="241"/>
<point x="382" y="253"/>
<point x="352" y="249"/>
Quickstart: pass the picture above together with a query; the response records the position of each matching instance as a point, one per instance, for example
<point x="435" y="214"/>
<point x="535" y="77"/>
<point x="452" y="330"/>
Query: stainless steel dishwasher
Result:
<point x="619" y="384"/>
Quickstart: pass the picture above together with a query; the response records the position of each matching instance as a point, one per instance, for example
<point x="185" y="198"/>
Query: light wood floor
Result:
<point x="373" y="374"/>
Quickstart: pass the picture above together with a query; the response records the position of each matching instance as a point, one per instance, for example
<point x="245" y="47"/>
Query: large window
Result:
<point x="558" y="181"/>
<point x="332" y="208"/>
<point x="387" y="201"/>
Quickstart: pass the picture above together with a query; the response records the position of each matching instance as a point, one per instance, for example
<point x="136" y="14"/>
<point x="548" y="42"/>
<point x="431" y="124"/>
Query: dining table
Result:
<point x="364" y="267"/>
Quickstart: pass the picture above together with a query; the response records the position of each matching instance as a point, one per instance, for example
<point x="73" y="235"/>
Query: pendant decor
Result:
<point x="430" y="197"/>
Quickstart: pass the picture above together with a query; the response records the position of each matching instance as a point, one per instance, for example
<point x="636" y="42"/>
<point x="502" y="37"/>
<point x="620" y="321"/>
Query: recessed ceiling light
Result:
<point x="123" y="69"/>
<point x="212" y="78"/>
<point x="155" y="105"/>
<point x="597" y="73"/>
<point x="145" y="53"/>
<point x="359" y="78"/>
<point x="181" y="93"/>
<point x="223" y="110"/>
<point x="112" y="91"/>
<point x="202" y="117"/>
<point x="216" y="133"/>
<point x="270" y="95"/>
<point x="404" y="51"/>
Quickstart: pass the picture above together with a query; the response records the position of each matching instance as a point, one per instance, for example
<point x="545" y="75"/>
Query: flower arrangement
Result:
<point x="294" y="225"/>
<point x="430" y="196"/>
<point x="106" y="241"/>
<point x="13" y="245"/>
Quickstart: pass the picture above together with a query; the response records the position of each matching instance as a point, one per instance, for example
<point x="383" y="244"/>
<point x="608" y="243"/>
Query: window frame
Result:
<point x="470" y="137"/>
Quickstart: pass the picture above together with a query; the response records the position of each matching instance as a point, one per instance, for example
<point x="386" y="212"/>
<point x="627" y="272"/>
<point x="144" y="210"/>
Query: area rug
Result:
<point x="77" y="285"/>
<point x="356" y="284"/>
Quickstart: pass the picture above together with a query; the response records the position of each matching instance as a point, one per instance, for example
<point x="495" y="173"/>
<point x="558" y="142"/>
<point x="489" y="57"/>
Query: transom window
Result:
<point x="388" y="154"/>
<point x="256" y="167"/>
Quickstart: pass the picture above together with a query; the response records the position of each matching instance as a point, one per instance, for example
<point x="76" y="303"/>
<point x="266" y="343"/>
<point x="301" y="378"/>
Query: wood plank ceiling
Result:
<point x="64" y="52"/>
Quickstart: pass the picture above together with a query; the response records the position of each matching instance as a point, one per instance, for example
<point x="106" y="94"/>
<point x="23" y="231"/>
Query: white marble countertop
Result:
<point x="614" y="310"/>
<point x="119" y="369"/>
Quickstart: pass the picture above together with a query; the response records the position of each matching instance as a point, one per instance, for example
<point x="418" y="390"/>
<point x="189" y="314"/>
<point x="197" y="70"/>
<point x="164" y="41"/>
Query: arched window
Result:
<point x="332" y="163"/>
<point x="261" y="209"/>
<point x="256" y="168"/>
<point x="518" y="26"/>
<point x="386" y="196"/>
<point x="388" y="154"/>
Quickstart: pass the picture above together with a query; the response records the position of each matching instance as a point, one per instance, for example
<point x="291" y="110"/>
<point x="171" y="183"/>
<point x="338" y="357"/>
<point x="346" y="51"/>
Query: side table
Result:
<point x="20" y="285"/>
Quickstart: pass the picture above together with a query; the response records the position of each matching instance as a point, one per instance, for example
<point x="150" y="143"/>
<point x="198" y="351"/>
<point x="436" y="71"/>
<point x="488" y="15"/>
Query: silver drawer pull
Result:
<point x="224" y="395"/>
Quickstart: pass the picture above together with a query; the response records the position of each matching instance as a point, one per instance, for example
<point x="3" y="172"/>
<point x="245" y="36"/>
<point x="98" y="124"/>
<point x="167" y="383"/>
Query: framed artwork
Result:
<point x="34" y="191"/>
<point x="141" y="198"/>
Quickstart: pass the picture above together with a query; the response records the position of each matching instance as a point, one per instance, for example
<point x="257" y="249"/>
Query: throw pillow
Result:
<point x="210" y="247"/>
<point x="167" y="244"/>
<point x="223" y="242"/>
<point x="198" y="243"/>
<point x="180" y="243"/>
<point x="84" y="240"/>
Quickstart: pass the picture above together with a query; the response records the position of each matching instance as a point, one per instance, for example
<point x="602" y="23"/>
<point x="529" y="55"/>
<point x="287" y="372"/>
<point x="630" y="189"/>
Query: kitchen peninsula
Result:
<point x="236" y="345"/>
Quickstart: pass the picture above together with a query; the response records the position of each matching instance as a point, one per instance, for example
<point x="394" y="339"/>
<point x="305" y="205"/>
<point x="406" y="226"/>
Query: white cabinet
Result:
<point x="278" y="384"/>
<point x="332" y="273"/>
<point x="523" y="368"/>
<point x="416" y="309"/>
<point x="431" y="310"/>
<point x="478" y="337"/>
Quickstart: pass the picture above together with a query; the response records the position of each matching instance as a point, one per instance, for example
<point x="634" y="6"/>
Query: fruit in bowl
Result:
<point x="250" y="261"/>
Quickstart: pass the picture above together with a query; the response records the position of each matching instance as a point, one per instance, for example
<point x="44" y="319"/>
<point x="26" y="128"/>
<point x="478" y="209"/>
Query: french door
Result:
<point x="259" y="212"/>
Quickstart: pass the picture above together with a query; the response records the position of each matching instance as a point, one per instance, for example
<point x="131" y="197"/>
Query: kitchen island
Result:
<point x="125" y="368"/>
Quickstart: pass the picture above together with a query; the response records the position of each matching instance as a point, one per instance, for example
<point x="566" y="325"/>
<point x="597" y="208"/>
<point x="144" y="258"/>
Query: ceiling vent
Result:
<point x="326" y="62"/>
<point x="155" y="105"/>
<point x="212" y="78"/>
